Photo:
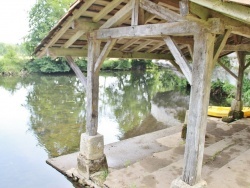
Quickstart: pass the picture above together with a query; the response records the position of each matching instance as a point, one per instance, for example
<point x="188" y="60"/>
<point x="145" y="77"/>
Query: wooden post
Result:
<point x="197" y="118"/>
<point x="92" y="87"/>
<point x="241" y="58"/>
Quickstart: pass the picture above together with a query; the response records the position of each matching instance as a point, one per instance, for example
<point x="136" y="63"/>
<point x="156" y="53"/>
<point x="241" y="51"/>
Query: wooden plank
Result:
<point x="221" y="46"/>
<point x="105" y="51"/>
<point x="182" y="28"/>
<point x="76" y="14"/>
<point x="236" y="11"/>
<point x="92" y="91"/>
<point x="120" y="15"/>
<point x="77" y="71"/>
<point x="74" y="38"/>
<point x="199" y="99"/>
<point x="200" y="11"/>
<point x="244" y="2"/>
<point x="135" y="12"/>
<point x="108" y="8"/>
<point x="239" y="47"/>
<point x="156" y="46"/>
<point x="142" y="45"/>
<point x="61" y="52"/>
<point x="160" y="11"/>
<point x="179" y="58"/>
<point x="129" y="43"/>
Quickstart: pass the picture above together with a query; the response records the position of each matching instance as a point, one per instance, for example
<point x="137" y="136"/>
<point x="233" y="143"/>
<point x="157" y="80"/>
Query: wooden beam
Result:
<point x="239" y="47"/>
<point x="247" y="65"/>
<point x="236" y="11"/>
<point x="61" y="52"/>
<point x="160" y="11"/>
<point x="244" y="2"/>
<point x="242" y="31"/>
<point x="105" y="51"/>
<point x="74" y="38"/>
<point x="142" y="45"/>
<point x="184" y="7"/>
<point x="92" y="91"/>
<point x="76" y="14"/>
<point x="77" y="71"/>
<point x="127" y="44"/>
<point x="135" y="12"/>
<point x="200" y="11"/>
<point x="120" y="15"/>
<point x="199" y="99"/>
<point x="227" y="69"/>
<point x="141" y="20"/>
<point x="183" y="28"/>
<point x="110" y="6"/>
<point x="241" y="59"/>
<point x="179" y="59"/>
<point x="221" y="46"/>
<point x="156" y="46"/>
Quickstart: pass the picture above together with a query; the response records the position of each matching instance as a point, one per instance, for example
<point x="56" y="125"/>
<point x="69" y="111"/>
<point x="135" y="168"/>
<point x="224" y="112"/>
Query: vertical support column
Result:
<point x="197" y="118"/>
<point x="237" y="104"/>
<point x="91" y="157"/>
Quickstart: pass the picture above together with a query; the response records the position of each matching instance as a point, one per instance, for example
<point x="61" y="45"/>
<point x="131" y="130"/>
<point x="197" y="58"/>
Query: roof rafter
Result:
<point x="62" y="52"/>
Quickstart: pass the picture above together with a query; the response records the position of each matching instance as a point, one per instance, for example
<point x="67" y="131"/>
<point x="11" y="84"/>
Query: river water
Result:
<point x="43" y="116"/>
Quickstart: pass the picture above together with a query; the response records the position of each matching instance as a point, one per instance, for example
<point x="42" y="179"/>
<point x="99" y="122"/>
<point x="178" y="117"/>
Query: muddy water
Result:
<point x="43" y="116"/>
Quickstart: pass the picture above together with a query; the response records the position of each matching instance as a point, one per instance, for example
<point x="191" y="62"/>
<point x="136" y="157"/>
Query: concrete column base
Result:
<point x="179" y="183"/>
<point x="91" y="158"/>
<point x="87" y="167"/>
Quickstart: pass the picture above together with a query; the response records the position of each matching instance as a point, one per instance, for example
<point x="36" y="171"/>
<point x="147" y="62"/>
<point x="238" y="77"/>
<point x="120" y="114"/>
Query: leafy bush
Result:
<point x="222" y="93"/>
<point x="46" y="65"/>
<point x="116" y="64"/>
<point x="142" y="64"/>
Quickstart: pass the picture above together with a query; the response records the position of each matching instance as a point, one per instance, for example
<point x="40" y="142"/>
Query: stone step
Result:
<point x="162" y="168"/>
<point x="235" y="174"/>
<point x="231" y="148"/>
<point x="129" y="151"/>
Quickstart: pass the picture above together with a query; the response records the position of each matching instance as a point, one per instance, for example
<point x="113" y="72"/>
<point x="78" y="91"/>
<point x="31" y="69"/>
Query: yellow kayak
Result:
<point x="221" y="111"/>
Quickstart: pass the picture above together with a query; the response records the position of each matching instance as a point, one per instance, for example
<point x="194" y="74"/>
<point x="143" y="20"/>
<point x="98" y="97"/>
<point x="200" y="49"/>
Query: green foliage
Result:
<point x="142" y="64"/>
<point x="116" y="64"/>
<point x="226" y="61"/>
<point x="246" y="91"/>
<point x="170" y="80"/>
<point x="222" y="93"/>
<point x="46" y="65"/>
<point x="82" y="64"/>
<point x="42" y="17"/>
<point x="11" y="62"/>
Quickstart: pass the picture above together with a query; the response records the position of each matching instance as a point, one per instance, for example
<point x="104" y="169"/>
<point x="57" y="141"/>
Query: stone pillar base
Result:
<point x="179" y="183"/>
<point x="91" y="158"/>
<point x="86" y="167"/>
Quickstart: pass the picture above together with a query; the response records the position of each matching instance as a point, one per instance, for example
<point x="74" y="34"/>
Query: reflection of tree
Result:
<point x="13" y="83"/>
<point x="130" y="99"/>
<point x="57" y="111"/>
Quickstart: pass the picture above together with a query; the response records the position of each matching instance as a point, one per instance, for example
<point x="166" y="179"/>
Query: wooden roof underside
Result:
<point x="87" y="18"/>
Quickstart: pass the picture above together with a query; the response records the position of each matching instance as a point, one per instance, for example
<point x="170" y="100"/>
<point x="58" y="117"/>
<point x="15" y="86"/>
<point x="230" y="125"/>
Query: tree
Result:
<point x="42" y="17"/>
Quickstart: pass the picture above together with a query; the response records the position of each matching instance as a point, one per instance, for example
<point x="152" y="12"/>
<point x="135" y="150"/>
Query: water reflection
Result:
<point x="126" y="108"/>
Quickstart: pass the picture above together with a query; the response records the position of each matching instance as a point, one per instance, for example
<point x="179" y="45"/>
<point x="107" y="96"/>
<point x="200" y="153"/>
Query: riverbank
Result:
<point x="155" y="159"/>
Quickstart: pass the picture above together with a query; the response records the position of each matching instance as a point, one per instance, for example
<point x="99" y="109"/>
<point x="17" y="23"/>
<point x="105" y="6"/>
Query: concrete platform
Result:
<point x="156" y="159"/>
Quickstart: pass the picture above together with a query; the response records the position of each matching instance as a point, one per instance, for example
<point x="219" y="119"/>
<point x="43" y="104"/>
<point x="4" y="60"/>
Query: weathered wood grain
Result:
<point x="197" y="117"/>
